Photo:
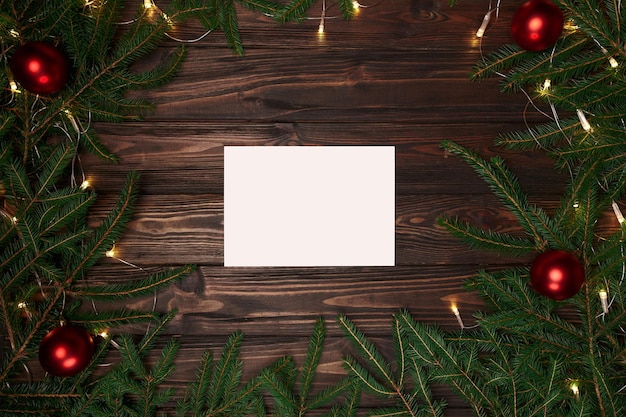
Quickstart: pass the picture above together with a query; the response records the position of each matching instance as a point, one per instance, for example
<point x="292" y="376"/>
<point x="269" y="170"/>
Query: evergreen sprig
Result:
<point x="293" y="396"/>
<point x="47" y="245"/>
<point x="582" y="80"/>
<point x="405" y="382"/>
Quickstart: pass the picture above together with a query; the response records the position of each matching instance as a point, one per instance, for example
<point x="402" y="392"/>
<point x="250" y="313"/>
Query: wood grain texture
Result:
<point x="397" y="74"/>
<point x="196" y="166"/>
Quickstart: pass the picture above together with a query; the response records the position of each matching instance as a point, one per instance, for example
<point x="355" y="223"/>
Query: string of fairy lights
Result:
<point x="546" y="90"/>
<point x="73" y="128"/>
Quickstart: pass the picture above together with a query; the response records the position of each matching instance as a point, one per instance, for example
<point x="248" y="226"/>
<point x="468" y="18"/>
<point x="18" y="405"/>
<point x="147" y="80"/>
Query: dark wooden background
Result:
<point x="397" y="74"/>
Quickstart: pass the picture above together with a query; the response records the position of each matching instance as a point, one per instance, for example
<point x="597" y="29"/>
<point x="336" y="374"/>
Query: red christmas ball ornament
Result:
<point x="66" y="350"/>
<point x="40" y="67"/>
<point x="557" y="274"/>
<point x="537" y="25"/>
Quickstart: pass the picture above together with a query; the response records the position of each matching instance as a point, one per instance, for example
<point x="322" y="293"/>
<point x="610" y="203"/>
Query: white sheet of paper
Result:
<point x="309" y="206"/>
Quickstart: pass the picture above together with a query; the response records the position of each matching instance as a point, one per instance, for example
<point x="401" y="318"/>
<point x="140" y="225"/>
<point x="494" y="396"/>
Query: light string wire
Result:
<point x="150" y="7"/>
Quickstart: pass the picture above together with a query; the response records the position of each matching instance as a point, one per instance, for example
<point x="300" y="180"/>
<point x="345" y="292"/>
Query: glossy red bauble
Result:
<point x="66" y="350"/>
<point x="537" y="25"/>
<point x="40" y="67"/>
<point x="557" y="274"/>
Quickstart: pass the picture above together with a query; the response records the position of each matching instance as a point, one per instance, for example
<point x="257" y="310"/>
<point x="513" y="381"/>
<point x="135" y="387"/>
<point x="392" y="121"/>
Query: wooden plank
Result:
<point x="395" y="62"/>
<point x="346" y="86"/>
<point x="388" y="24"/>
<point x="217" y="301"/>
<point x="180" y="229"/>
<point x="189" y="229"/>
<point x="187" y="157"/>
<point x="397" y="75"/>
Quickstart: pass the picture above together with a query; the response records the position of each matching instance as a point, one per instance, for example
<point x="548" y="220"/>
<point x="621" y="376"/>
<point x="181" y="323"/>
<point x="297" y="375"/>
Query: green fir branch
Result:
<point x="367" y="349"/>
<point x="506" y="186"/>
<point x="130" y="289"/>
<point x="110" y="229"/>
<point x="347" y="8"/>
<point x="196" y="394"/>
<point x="482" y="239"/>
<point x="312" y="359"/>
<point x="227" y="21"/>
<point x="294" y="10"/>
<point x="416" y="362"/>
<point x="367" y="380"/>
<point x="268" y="8"/>
<point x="542" y="137"/>
<point x="110" y="319"/>
<point x="91" y="143"/>
<point x="216" y="392"/>
<point x="292" y="400"/>
<point x="428" y="346"/>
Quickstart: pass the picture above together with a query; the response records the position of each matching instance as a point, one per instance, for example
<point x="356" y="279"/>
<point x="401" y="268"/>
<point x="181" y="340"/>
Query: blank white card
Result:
<point x="309" y="206"/>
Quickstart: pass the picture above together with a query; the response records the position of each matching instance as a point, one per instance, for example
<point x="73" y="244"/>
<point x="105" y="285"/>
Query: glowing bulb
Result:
<point x="583" y="120"/>
<point x="85" y="185"/>
<point x="575" y="205"/>
<point x="483" y="27"/>
<point x="320" y="28"/>
<point x="169" y="21"/>
<point x="104" y="334"/>
<point x="575" y="390"/>
<point x="14" y="87"/>
<point x="456" y="313"/>
<point x="24" y="307"/>
<point x="604" y="297"/>
<point x="570" y="26"/>
<point x="147" y="4"/>
<point x="547" y="84"/>
<point x="110" y="253"/>
<point x="14" y="220"/>
<point x="612" y="61"/>
<point x="356" y="6"/>
<point x="72" y="120"/>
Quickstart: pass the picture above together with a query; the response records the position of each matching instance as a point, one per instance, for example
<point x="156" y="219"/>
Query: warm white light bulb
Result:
<point x="612" y="61"/>
<point x="147" y="4"/>
<point x="575" y="389"/>
<point x="167" y="19"/>
<point x="483" y="27"/>
<point x="604" y="297"/>
<point x="72" y="120"/>
<point x="13" y="86"/>
<point x="110" y="253"/>
<point x="456" y="313"/>
<point x="583" y="120"/>
<point x="320" y="28"/>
